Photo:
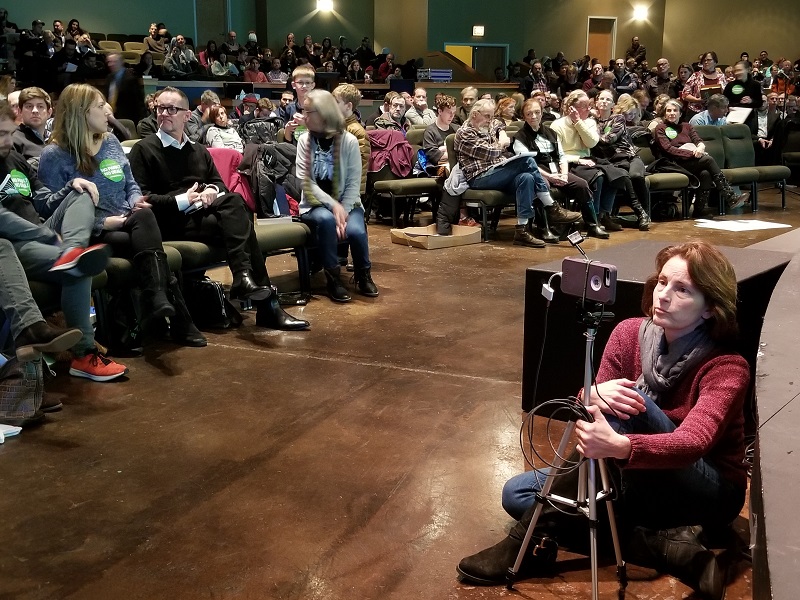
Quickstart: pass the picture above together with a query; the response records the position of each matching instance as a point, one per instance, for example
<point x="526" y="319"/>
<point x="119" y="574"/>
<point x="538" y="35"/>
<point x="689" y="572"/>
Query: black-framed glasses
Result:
<point x="170" y="110"/>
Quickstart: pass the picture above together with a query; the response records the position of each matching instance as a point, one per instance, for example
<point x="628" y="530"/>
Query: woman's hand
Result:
<point x="599" y="440"/>
<point x="573" y="114"/>
<point x="341" y="220"/>
<point x="85" y="186"/>
<point x="586" y="162"/>
<point x="114" y="223"/>
<point x="142" y="203"/>
<point x="617" y="397"/>
<point x="698" y="152"/>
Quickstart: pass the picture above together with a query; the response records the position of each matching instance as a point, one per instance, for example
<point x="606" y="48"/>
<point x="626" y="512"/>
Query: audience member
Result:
<point x="539" y="140"/>
<point x="394" y="117"/>
<point x="230" y="46"/>
<point x="636" y="51"/>
<point x="123" y="218"/>
<point x="419" y="113"/>
<point x="57" y="251"/>
<point x="364" y="53"/>
<point x="348" y="97"/>
<point x="355" y="74"/>
<point x="468" y="96"/>
<point x="680" y="143"/>
<point x="625" y="81"/>
<point x="386" y="68"/>
<point x="154" y="41"/>
<point x="302" y="83"/>
<point x="207" y="56"/>
<point x="276" y="75"/>
<point x="146" y="67"/>
<point x="744" y="92"/>
<point x="661" y="82"/>
<point x="222" y="134"/>
<point x="715" y="113"/>
<point x="170" y="171"/>
<point x="253" y="73"/>
<point x="596" y="76"/>
<point x="577" y="132"/>
<point x="481" y="147"/>
<point x="433" y="140"/>
<point x="29" y="139"/>
<point x="702" y="85"/>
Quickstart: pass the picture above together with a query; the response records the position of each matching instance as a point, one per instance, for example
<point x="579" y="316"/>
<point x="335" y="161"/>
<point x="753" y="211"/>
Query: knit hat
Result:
<point x="250" y="99"/>
<point x="252" y="37"/>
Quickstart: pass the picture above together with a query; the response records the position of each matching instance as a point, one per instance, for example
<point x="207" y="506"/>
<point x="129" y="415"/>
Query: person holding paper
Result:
<point x="82" y="148"/>
<point x="176" y="174"/>
<point x="744" y="92"/>
<point x="703" y="84"/>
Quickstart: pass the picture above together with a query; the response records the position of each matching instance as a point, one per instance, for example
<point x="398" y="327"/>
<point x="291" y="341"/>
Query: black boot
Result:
<point x="270" y="314"/>
<point x="522" y="237"/>
<point x="43" y="337"/>
<point x="678" y="552"/>
<point x="490" y="566"/>
<point x="593" y="227"/>
<point x="701" y="210"/>
<point x="364" y="283"/>
<point x="245" y="287"/>
<point x="643" y="220"/>
<point x="608" y="223"/>
<point x="154" y="274"/>
<point x="336" y="290"/>
<point x="541" y="229"/>
<point x="726" y="193"/>
<point x="182" y="329"/>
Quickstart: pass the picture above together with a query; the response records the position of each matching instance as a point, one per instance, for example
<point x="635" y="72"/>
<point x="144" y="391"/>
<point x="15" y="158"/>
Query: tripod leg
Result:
<point x="622" y="573"/>
<point x="540" y="500"/>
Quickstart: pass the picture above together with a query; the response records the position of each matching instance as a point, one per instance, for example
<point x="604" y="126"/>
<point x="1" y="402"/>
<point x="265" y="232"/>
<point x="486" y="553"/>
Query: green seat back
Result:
<point x="738" y="143"/>
<point x="712" y="138"/>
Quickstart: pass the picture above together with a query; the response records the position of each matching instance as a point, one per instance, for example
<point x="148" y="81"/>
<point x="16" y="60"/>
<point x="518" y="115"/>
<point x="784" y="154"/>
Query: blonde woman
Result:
<point x="81" y="147"/>
<point x="329" y="166"/>
<point x="616" y="147"/>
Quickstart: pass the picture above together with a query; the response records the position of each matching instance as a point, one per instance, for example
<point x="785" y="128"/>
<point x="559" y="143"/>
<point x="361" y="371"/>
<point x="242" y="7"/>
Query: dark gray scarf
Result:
<point x="664" y="365"/>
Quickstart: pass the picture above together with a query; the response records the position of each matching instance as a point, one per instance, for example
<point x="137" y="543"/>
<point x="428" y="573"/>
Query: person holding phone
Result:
<point x="82" y="147"/>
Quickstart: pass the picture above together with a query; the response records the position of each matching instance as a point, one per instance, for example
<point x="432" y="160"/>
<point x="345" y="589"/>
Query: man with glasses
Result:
<point x="661" y="82"/>
<point x="394" y="119"/>
<point x="302" y="83"/>
<point x="190" y="202"/>
<point x="481" y="147"/>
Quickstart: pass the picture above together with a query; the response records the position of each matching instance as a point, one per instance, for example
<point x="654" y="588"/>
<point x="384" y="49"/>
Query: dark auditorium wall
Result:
<point x="680" y="29"/>
<point x="107" y="17"/>
<point x="351" y="18"/>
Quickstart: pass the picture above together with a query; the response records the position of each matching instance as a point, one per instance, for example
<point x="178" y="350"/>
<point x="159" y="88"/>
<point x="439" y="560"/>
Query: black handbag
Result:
<point x="208" y="305"/>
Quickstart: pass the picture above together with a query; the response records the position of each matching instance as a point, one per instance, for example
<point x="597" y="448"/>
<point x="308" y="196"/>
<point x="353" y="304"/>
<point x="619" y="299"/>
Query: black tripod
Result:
<point x="587" y="494"/>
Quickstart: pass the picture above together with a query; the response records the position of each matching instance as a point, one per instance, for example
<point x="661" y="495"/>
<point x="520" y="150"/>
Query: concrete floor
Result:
<point x="362" y="459"/>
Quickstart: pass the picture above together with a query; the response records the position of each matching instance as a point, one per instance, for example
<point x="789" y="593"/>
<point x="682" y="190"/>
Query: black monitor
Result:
<point x="232" y="89"/>
<point x="402" y="85"/>
<point x="326" y="81"/>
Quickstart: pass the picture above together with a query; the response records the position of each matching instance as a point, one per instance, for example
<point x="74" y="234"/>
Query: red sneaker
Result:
<point x="83" y="262"/>
<point x="96" y="367"/>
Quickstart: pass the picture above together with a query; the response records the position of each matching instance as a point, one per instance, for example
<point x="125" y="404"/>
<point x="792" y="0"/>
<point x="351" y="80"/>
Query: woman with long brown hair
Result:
<point x="82" y="147"/>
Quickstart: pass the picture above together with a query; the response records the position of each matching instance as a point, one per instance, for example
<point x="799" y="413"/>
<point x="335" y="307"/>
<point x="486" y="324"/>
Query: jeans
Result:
<point x="520" y="177"/>
<point x="323" y="223"/>
<point x="657" y="498"/>
<point x="15" y="294"/>
<point x="73" y="220"/>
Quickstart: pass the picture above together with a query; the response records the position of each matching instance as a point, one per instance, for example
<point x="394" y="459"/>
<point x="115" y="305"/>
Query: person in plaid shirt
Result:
<point x="481" y="147"/>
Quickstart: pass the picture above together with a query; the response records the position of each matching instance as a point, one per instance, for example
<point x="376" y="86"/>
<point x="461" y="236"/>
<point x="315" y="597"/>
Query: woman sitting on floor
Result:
<point x="667" y="412"/>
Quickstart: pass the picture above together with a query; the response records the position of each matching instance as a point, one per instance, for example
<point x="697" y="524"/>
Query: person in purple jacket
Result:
<point x="667" y="414"/>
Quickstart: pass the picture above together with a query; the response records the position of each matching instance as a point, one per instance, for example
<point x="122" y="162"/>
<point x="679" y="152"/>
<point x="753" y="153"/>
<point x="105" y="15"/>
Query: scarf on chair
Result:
<point x="664" y="365"/>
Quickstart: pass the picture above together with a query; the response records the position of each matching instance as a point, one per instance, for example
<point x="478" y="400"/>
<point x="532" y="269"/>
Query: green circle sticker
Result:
<point x="738" y="89"/>
<point x="670" y="133"/>
<point x="20" y="182"/>
<point x="112" y="170"/>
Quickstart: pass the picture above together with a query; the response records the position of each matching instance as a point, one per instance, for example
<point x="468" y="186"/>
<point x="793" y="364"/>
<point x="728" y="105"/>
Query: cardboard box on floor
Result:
<point x="427" y="238"/>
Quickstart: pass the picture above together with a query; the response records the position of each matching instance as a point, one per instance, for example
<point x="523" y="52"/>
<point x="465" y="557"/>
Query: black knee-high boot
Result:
<point x="182" y="329"/>
<point x="643" y="219"/>
<point x="153" y="272"/>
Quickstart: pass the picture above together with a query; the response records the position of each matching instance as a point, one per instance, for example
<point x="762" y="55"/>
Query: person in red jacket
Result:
<point x="667" y="412"/>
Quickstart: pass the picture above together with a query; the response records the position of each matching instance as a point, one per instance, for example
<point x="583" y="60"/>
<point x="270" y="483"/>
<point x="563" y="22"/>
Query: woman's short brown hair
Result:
<point x="712" y="274"/>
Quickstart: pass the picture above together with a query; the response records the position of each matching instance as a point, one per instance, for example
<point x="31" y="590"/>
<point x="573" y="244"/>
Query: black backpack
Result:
<point x="260" y="131"/>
